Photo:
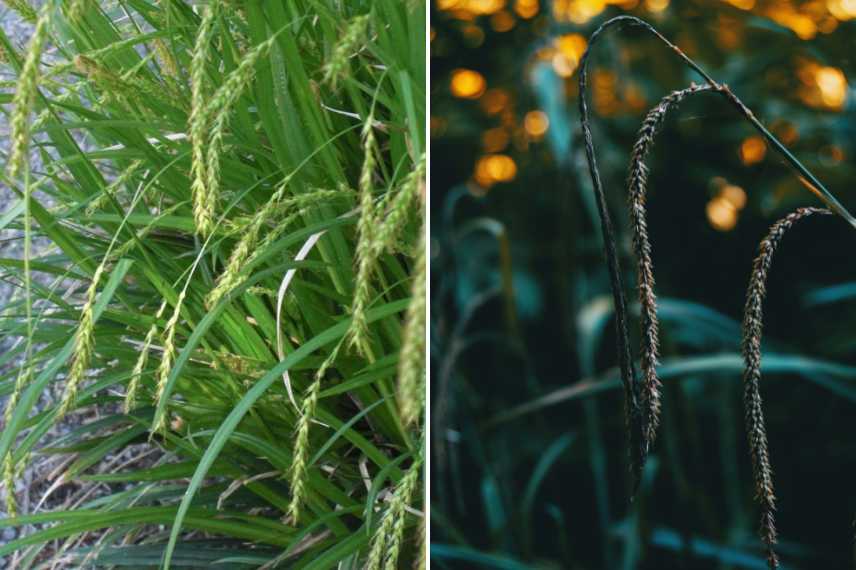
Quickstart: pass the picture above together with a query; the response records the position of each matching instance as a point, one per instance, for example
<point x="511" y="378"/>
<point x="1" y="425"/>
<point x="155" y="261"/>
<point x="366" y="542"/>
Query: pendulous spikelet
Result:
<point x="299" y="466"/>
<point x="84" y="341"/>
<point x="21" y="381"/>
<point x="411" y="360"/>
<point x="398" y="510"/>
<point x="248" y="245"/>
<point x="219" y="107"/>
<point x="313" y="197"/>
<point x="395" y="216"/>
<point x="386" y="223"/>
<point x="23" y="8"/>
<point x="166" y="58"/>
<point x="337" y="67"/>
<point x="169" y="353"/>
<point x="245" y="246"/>
<point x="103" y="199"/>
<point x="365" y="228"/>
<point x="25" y="94"/>
<point x="386" y="542"/>
<point x="126" y="89"/>
<point x="203" y="211"/>
<point x="142" y="359"/>
<point x="422" y="561"/>
<point x="637" y="183"/>
<point x="20" y="129"/>
<point x="751" y="348"/>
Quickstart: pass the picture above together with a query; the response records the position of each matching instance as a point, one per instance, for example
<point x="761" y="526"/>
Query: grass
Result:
<point x="529" y="467"/>
<point x="232" y="201"/>
<point x="642" y="396"/>
<point x="642" y="399"/>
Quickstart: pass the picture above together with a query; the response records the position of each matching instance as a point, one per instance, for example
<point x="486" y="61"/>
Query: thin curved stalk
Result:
<point x="632" y="412"/>
<point x="814" y="183"/>
<point x="751" y="347"/>
<point x="632" y="389"/>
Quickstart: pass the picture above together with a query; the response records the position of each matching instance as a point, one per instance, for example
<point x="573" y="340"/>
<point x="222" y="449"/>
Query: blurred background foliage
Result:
<point x="529" y="466"/>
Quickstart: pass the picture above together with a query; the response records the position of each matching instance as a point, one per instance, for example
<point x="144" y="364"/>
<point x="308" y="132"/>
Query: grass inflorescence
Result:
<point x="411" y="364"/>
<point x="203" y="209"/>
<point x="23" y="8"/>
<point x="386" y="544"/>
<point x="642" y="397"/>
<point x="379" y="227"/>
<point x="353" y="38"/>
<point x="84" y="341"/>
<point x="195" y="164"/>
<point x="23" y="103"/>
<point x="637" y="182"/>
<point x="751" y="347"/>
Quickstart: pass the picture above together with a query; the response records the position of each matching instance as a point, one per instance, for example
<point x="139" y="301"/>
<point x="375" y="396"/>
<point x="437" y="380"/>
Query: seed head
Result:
<point x="142" y="359"/>
<point x="169" y="353"/>
<point x="365" y="234"/>
<point x="299" y="465"/>
<point x="337" y="67"/>
<point x="21" y="381"/>
<point x="386" y="542"/>
<point x="198" y="121"/>
<point x="637" y="183"/>
<point x="751" y="347"/>
<point x="386" y="224"/>
<point x="25" y="94"/>
<point x="411" y="362"/>
<point x="84" y="344"/>
<point x="23" y="8"/>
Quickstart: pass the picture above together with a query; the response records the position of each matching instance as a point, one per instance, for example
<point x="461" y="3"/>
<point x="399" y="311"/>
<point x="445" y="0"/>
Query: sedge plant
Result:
<point x="190" y="152"/>
<point x="641" y="394"/>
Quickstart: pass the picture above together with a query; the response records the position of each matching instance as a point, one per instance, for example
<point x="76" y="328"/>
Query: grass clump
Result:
<point x="189" y="156"/>
<point x="641" y="396"/>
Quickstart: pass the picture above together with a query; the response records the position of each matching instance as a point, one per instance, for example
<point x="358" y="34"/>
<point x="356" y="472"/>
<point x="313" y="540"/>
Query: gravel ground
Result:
<point x="18" y="31"/>
<point x="11" y="246"/>
<point x="36" y="488"/>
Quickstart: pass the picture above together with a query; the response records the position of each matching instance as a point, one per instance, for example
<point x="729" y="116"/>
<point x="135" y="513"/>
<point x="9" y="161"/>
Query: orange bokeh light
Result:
<point x="526" y="9"/>
<point x="495" y="101"/>
<point x="833" y="86"/>
<point x="823" y="87"/>
<point x="721" y="214"/>
<point x="656" y="5"/>
<point x="502" y="21"/>
<point x="536" y="124"/>
<point x="752" y="150"/>
<point x="742" y="4"/>
<point x="494" y="168"/>
<point x="577" y="11"/>
<point x="467" y="84"/>
<point x="495" y="140"/>
<point x="734" y="195"/>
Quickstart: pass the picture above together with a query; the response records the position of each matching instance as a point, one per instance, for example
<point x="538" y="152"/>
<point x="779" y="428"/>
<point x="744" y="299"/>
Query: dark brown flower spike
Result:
<point x="632" y="390"/>
<point x="751" y="346"/>
<point x="637" y="184"/>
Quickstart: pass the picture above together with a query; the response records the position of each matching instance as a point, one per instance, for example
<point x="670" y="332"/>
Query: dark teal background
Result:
<point x="549" y="488"/>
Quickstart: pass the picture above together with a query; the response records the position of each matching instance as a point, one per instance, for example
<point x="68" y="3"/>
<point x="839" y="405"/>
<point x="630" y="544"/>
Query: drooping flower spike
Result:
<point x="751" y="347"/>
